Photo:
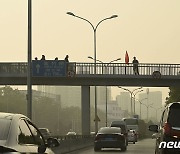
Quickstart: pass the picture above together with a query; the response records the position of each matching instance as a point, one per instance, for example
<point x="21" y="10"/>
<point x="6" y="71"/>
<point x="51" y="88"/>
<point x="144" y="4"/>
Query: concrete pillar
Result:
<point x="85" y="109"/>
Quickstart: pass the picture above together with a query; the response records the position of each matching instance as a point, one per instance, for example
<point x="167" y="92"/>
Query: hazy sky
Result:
<point x="147" y="29"/>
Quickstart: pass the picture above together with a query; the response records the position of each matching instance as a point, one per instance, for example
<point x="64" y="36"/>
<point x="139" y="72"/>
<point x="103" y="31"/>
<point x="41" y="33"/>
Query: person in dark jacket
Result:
<point x="135" y="66"/>
<point x="66" y="58"/>
<point x="43" y="57"/>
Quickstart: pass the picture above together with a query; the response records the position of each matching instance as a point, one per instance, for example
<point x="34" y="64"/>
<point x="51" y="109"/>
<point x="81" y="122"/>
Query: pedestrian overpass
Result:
<point x="106" y="74"/>
<point x="90" y="74"/>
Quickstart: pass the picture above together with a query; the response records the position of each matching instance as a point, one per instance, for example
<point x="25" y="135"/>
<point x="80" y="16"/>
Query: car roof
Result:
<point x="5" y="115"/>
<point x="118" y="122"/>
<point x="13" y="129"/>
<point x="43" y="128"/>
<point x="10" y="116"/>
<point x="110" y="128"/>
<point x="71" y="132"/>
<point x="129" y="118"/>
<point x="173" y="103"/>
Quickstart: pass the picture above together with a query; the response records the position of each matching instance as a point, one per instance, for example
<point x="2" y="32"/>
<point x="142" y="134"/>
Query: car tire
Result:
<point x="126" y="142"/>
<point x="124" y="148"/>
<point x="134" y="142"/>
<point x="168" y="151"/>
<point x="97" y="149"/>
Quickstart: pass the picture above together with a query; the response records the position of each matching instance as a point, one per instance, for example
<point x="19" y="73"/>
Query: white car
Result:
<point x="132" y="137"/>
<point x="19" y="135"/>
<point x="71" y="133"/>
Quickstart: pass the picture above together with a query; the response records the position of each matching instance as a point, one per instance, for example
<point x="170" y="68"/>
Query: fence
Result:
<point x="20" y="69"/>
<point x="127" y="69"/>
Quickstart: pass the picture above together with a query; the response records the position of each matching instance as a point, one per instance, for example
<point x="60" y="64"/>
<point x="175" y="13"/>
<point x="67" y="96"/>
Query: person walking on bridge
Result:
<point x="135" y="66"/>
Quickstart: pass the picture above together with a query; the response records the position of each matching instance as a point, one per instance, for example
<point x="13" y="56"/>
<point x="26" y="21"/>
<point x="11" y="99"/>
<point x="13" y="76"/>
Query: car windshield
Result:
<point x="44" y="130"/>
<point x="131" y="121"/>
<point x="173" y="114"/>
<point x="123" y="128"/>
<point x="109" y="130"/>
<point x="4" y="128"/>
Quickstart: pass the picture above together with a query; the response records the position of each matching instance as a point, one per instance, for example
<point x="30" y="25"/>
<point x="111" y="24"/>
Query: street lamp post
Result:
<point x="140" y="102"/>
<point x="29" y="73"/>
<point x="106" y="86"/>
<point x="156" y="109"/>
<point x="147" y="106"/>
<point x="135" y="100"/>
<point x="94" y="30"/>
<point x="131" y="94"/>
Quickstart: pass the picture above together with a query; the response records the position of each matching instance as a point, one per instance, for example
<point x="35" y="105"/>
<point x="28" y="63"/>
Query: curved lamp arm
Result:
<point x="94" y="28"/>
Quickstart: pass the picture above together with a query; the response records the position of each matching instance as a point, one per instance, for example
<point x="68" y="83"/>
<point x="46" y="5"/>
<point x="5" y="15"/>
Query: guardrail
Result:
<point x="72" y="143"/>
<point x="70" y="137"/>
<point x="20" y="69"/>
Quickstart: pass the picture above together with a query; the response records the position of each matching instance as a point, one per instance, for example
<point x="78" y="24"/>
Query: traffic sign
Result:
<point x="97" y="119"/>
<point x="71" y="73"/>
<point x="49" y="68"/>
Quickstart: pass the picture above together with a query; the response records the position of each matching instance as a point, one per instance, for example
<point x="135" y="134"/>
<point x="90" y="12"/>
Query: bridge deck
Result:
<point x="111" y="74"/>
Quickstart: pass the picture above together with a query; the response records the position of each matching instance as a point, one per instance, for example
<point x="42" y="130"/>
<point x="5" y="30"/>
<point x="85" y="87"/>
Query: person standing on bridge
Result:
<point x="43" y="57"/>
<point x="66" y="59"/>
<point x="135" y="66"/>
<point x="67" y="65"/>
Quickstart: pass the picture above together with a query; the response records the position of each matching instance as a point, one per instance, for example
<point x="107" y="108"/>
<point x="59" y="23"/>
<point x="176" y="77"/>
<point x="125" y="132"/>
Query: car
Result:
<point x="92" y="133"/>
<point x="154" y="135"/>
<point x="168" y="130"/>
<point x="71" y="133"/>
<point x="45" y="132"/>
<point x="110" y="137"/>
<point x="132" y="137"/>
<point x="121" y="124"/>
<point x="20" y="135"/>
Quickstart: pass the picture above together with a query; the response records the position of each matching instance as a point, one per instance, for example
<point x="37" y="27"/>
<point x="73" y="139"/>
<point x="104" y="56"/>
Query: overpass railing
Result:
<point x="13" y="69"/>
<point x="20" y="69"/>
<point x="127" y="69"/>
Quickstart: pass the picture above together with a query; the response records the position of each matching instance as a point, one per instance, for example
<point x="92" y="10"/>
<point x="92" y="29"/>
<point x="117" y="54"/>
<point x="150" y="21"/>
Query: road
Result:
<point x="145" y="146"/>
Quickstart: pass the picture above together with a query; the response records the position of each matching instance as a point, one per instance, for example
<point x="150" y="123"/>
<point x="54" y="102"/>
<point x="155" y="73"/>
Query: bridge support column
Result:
<point x="85" y="110"/>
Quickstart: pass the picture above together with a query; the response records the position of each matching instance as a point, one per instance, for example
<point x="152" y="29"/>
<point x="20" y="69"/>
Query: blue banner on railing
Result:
<point x="49" y="68"/>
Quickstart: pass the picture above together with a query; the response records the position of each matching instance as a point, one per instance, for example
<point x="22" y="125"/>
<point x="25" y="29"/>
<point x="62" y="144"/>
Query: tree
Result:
<point x="174" y="95"/>
<point x="12" y="100"/>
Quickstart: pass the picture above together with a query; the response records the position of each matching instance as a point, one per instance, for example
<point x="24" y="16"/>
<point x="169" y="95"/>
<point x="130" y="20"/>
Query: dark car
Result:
<point x="121" y="124"/>
<point x="168" y="131"/>
<point x="45" y="132"/>
<point x="19" y="135"/>
<point x="110" y="137"/>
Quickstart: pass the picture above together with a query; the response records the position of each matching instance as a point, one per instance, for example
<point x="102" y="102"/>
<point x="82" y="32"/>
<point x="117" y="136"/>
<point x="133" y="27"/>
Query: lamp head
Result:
<point x="90" y="57"/>
<point x="113" y="16"/>
<point x="70" y="13"/>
